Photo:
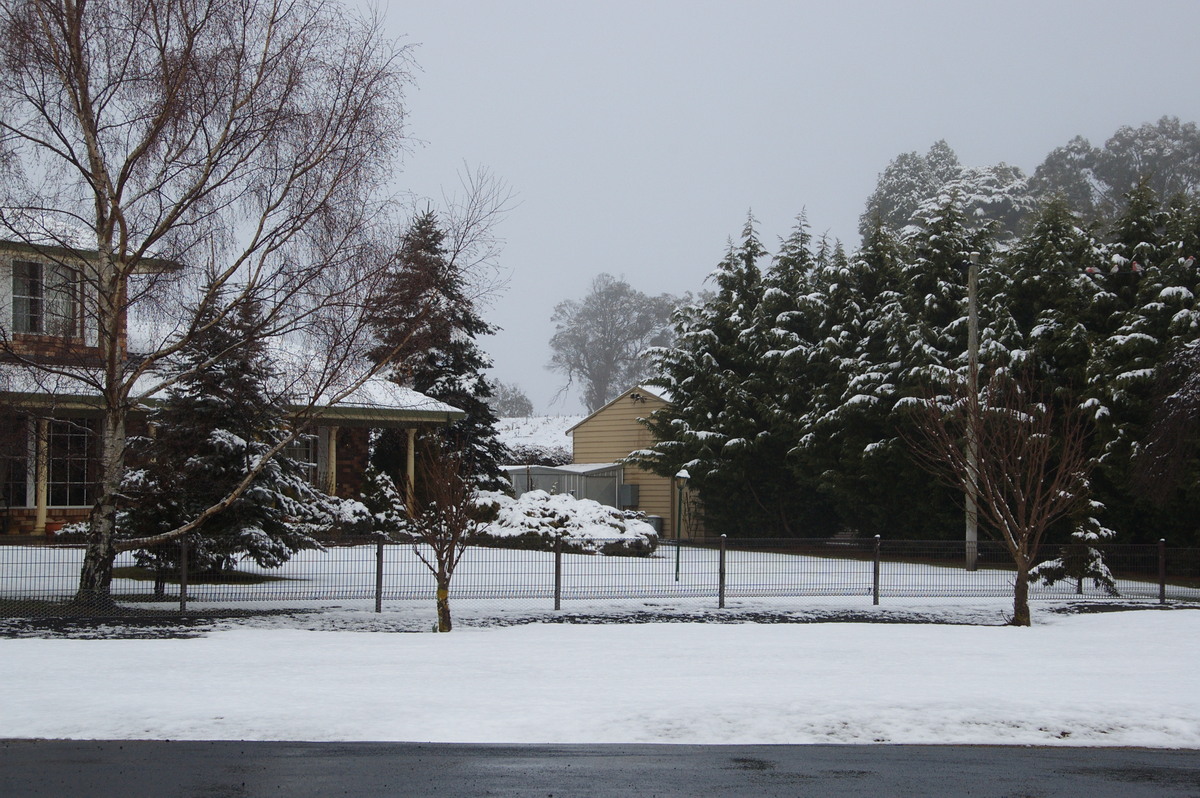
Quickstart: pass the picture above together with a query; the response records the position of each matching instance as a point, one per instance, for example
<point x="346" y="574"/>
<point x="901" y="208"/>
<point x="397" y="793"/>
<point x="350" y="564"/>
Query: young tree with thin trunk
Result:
<point x="199" y="155"/>
<point x="443" y="521"/>
<point x="1032" y="468"/>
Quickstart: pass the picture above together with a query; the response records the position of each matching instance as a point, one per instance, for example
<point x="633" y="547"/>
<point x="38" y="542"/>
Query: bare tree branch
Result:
<point x="1032" y="467"/>
<point x="207" y="154"/>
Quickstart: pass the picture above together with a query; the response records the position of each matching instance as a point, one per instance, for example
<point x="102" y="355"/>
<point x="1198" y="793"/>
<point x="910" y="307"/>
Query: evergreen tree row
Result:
<point x="789" y="384"/>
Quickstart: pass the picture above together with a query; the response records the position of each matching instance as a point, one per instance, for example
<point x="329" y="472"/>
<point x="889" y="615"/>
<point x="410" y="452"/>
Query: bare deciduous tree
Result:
<point x="1032" y="467"/>
<point x="443" y="522"/>
<point x="198" y="155"/>
<point x="600" y="340"/>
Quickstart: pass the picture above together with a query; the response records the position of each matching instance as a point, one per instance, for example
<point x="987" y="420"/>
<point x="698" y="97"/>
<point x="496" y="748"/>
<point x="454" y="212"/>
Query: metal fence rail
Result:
<point x="39" y="576"/>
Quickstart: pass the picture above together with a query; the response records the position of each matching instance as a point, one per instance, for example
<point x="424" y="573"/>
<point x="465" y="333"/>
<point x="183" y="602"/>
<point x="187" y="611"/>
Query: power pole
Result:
<point x="972" y="497"/>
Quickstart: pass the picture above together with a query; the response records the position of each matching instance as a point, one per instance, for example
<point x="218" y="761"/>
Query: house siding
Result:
<point x="612" y="434"/>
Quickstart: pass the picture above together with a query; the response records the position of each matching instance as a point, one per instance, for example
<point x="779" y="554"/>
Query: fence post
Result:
<point x="1162" y="571"/>
<point x="721" y="576"/>
<point x="379" y="576"/>
<point x="558" y="570"/>
<point x="875" y="581"/>
<point x="183" y="574"/>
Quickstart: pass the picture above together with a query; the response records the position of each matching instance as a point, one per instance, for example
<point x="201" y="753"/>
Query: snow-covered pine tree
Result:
<point x="796" y="373"/>
<point x="1044" y="290"/>
<point x="1128" y="349"/>
<point x="216" y="424"/>
<point x="909" y="181"/>
<point x="878" y="500"/>
<point x="1134" y="365"/>
<point x="384" y="504"/>
<point x="1047" y="289"/>
<point x="861" y="328"/>
<point x="934" y="278"/>
<point x="717" y="417"/>
<point x="996" y="197"/>
<point x="934" y="303"/>
<point x="425" y="311"/>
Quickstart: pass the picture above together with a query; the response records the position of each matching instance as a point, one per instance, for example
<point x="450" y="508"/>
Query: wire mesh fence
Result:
<point x="40" y="576"/>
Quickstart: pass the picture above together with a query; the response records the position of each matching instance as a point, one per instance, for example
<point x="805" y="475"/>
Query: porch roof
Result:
<point x="377" y="402"/>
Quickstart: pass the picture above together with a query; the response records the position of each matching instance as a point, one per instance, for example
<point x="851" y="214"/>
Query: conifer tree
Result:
<point x="1158" y="320"/>
<point x="880" y="477"/>
<point x="798" y="373"/>
<point x="909" y="181"/>
<point x="1044" y="289"/>
<point x="717" y="425"/>
<point x="426" y="312"/>
<point x="216" y="424"/>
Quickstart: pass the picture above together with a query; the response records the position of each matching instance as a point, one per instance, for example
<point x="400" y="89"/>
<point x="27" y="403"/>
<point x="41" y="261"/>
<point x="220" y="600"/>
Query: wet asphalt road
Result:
<point x="137" y="769"/>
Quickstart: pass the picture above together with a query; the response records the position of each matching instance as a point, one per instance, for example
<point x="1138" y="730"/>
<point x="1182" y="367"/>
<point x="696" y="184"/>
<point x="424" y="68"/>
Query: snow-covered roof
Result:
<point x="581" y="469"/>
<point x="40" y="229"/>
<point x="379" y="394"/>
<point x="587" y="468"/>
<point x="376" y="400"/>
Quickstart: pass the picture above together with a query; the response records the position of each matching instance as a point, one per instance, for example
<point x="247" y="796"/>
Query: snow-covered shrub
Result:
<point x="1080" y="561"/>
<point x="537" y="518"/>
<point x="534" y="454"/>
<point x="382" y="501"/>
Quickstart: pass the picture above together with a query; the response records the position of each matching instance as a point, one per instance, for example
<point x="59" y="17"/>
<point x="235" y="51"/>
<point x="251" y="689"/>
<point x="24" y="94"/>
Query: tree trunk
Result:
<point x="95" y="579"/>
<point x="443" y="605"/>
<point x="1021" y="615"/>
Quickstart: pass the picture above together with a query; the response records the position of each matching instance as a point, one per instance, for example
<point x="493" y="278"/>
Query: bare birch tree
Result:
<point x="197" y="155"/>
<point x="1032" y="467"/>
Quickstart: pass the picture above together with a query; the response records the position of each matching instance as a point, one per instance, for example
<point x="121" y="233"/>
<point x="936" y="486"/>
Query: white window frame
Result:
<point x="44" y="300"/>
<point x="79" y="427"/>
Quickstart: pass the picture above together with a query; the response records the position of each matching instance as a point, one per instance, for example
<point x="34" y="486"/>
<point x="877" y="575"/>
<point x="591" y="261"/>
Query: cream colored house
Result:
<point x="614" y="432"/>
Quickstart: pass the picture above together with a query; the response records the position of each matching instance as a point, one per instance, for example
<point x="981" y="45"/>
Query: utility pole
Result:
<point x="972" y="497"/>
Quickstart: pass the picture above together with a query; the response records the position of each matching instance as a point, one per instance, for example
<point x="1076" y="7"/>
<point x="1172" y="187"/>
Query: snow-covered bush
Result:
<point x="532" y="454"/>
<point x="537" y="518"/>
<point x="1080" y="561"/>
<point x="382" y="501"/>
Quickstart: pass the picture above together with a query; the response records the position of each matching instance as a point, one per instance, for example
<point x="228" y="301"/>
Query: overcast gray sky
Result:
<point x="637" y="135"/>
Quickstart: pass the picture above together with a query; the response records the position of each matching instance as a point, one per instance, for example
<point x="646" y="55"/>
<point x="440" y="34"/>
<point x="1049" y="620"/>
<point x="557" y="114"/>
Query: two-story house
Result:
<point x="50" y="411"/>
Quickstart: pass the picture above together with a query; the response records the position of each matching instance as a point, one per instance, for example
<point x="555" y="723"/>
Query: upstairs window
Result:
<point x="43" y="299"/>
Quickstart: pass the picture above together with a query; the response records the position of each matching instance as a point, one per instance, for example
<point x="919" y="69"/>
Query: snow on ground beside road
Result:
<point x="1115" y="678"/>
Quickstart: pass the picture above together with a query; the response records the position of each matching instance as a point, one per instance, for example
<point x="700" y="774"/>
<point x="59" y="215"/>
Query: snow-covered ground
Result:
<point x="647" y="657"/>
<point x="1117" y="678"/>
<point x="348" y="572"/>
<point x="544" y="431"/>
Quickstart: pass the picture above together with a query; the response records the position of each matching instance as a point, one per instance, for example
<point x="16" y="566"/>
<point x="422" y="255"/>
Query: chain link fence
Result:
<point x="39" y="576"/>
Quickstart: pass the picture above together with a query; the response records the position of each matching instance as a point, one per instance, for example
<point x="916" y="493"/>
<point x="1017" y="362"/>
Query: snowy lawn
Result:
<point x="349" y="572"/>
<point x="1115" y="678"/>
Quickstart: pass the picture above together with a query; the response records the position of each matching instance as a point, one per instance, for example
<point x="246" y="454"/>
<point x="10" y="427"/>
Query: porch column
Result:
<point x="410" y="471"/>
<point x="330" y="485"/>
<point x="41" y="468"/>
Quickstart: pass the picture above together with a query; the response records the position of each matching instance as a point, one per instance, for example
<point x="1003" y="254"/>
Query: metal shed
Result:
<point x="601" y="482"/>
